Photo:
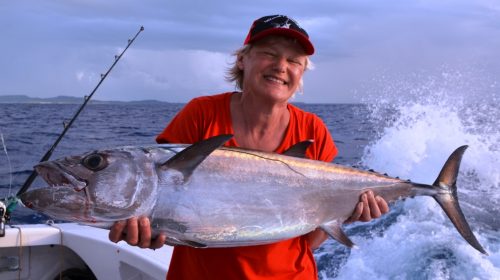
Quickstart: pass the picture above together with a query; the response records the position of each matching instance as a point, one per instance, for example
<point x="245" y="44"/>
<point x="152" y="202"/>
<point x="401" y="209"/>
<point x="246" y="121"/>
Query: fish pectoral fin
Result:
<point x="193" y="244"/>
<point x="299" y="149"/>
<point x="172" y="241"/>
<point x="188" y="159"/>
<point x="334" y="230"/>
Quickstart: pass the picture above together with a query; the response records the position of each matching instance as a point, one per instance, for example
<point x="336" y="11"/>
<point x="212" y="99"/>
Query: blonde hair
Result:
<point x="235" y="74"/>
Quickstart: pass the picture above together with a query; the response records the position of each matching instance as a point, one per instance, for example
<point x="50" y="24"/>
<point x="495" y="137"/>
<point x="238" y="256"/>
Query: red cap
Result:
<point x="279" y="25"/>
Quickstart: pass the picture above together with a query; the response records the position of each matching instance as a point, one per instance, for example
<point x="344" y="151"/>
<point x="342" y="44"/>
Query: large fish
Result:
<point x="206" y="195"/>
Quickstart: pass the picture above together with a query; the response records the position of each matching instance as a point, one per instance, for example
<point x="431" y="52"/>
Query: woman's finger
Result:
<point x="373" y="204"/>
<point x="159" y="241"/>
<point x="116" y="231"/>
<point x="358" y="211"/>
<point x="132" y="236"/>
<point x="144" y="233"/>
<point x="382" y="204"/>
<point x="365" y="217"/>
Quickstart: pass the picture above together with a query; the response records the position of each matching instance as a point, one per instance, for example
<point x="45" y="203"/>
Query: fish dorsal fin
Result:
<point x="299" y="149"/>
<point x="334" y="230"/>
<point x="188" y="159"/>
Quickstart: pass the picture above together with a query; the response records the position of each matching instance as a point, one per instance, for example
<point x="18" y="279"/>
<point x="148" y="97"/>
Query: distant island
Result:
<point x="64" y="100"/>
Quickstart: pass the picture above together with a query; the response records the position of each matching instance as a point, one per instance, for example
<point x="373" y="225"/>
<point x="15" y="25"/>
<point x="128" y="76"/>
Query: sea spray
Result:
<point x="418" y="125"/>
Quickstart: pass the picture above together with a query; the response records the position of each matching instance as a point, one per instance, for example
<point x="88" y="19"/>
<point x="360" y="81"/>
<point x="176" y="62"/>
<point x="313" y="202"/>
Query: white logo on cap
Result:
<point x="281" y="25"/>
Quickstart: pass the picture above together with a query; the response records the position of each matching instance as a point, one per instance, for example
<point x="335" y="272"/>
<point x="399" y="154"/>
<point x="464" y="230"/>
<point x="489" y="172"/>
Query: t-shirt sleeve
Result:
<point x="325" y="149"/>
<point x="184" y="127"/>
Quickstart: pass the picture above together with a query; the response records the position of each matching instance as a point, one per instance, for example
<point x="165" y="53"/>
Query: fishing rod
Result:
<point x="11" y="202"/>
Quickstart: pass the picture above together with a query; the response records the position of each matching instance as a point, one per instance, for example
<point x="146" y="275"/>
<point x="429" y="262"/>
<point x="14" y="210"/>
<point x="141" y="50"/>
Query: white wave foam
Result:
<point x="417" y="136"/>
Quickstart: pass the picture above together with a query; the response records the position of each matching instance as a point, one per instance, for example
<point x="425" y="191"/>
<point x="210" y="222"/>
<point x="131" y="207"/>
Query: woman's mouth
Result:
<point x="275" y="80"/>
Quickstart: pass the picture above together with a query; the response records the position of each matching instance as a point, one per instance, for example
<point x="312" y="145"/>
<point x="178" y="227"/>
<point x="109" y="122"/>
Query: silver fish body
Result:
<point x="204" y="195"/>
<point x="264" y="198"/>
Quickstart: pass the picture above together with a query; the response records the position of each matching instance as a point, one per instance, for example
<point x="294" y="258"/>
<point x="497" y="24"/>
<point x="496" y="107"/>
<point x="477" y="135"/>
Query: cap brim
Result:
<point x="303" y="40"/>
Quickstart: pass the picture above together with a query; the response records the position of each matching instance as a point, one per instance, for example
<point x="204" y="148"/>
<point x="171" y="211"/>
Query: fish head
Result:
<point x="99" y="186"/>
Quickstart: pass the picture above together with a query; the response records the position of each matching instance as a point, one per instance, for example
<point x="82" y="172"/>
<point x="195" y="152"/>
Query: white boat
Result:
<point x="73" y="251"/>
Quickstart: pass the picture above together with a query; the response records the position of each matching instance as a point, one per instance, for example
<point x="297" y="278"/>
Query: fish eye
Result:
<point x="94" y="162"/>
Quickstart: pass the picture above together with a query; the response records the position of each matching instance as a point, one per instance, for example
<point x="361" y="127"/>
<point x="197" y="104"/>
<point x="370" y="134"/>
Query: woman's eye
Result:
<point x="269" y="54"/>
<point x="94" y="162"/>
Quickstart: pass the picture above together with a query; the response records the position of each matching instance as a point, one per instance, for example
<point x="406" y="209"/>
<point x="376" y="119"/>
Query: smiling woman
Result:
<point x="268" y="70"/>
<point x="235" y="74"/>
<point x="391" y="49"/>
<point x="280" y="61"/>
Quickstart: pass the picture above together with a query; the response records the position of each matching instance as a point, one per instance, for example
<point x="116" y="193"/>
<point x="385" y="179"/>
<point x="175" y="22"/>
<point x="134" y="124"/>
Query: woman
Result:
<point x="268" y="70"/>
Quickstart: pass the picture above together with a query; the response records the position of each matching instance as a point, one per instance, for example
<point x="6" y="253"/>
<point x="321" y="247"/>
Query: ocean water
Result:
<point x="410" y="139"/>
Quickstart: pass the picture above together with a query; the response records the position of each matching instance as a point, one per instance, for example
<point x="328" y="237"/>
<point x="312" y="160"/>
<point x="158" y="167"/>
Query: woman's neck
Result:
<point x="258" y="125"/>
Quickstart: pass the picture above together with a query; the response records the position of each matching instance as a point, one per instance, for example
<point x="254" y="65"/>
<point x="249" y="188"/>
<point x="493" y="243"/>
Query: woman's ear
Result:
<point x="239" y="62"/>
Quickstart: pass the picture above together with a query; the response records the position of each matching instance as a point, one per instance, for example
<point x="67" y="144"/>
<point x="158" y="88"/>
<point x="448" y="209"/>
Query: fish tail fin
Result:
<point x="447" y="197"/>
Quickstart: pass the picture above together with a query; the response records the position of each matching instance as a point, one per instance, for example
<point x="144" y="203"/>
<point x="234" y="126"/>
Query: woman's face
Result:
<point x="273" y="68"/>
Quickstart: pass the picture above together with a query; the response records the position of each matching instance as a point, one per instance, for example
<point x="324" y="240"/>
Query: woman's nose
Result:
<point x="280" y="64"/>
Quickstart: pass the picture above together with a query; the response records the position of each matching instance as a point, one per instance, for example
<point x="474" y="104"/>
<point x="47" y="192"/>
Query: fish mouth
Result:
<point x="66" y="196"/>
<point x="61" y="203"/>
<point x="56" y="175"/>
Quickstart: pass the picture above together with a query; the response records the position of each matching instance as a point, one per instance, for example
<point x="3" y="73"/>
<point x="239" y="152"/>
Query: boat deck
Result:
<point x="42" y="251"/>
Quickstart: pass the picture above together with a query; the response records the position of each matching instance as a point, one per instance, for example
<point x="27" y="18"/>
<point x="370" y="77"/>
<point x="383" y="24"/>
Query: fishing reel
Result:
<point x="6" y="206"/>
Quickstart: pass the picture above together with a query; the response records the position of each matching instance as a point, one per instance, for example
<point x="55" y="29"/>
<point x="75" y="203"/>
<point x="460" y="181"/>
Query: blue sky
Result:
<point x="60" y="47"/>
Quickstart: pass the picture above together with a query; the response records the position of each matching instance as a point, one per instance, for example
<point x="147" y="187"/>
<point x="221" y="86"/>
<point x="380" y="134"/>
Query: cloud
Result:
<point x="61" y="46"/>
<point x="172" y="75"/>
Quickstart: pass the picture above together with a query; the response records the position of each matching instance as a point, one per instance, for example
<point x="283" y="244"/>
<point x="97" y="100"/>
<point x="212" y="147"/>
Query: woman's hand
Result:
<point x="136" y="232"/>
<point x="369" y="207"/>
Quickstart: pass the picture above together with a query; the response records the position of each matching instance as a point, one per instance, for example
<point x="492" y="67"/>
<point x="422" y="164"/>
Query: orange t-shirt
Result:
<point x="208" y="116"/>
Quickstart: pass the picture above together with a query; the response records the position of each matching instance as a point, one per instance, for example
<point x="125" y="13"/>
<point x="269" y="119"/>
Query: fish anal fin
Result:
<point x="188" y="159"/>
<point x="299" y="149"/>
<point x="334" y="230"/>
